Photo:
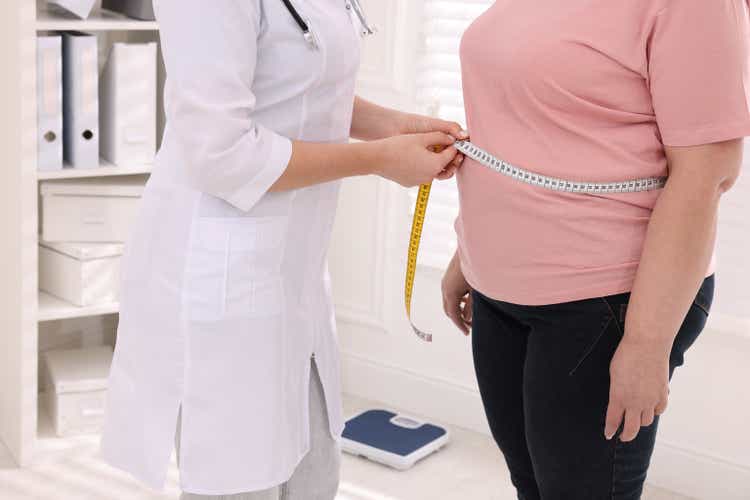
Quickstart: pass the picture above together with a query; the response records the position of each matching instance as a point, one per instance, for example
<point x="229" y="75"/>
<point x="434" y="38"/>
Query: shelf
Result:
<point x="105" y="170"/>
<point x="51" y="308"/>
<point x="53" y="19"/>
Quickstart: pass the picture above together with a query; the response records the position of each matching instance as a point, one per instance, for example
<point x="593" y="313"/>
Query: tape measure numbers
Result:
<point x="417" y="225"/>
<point x="526" y="176"/>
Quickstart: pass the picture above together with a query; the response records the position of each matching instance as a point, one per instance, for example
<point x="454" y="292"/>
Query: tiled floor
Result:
<point x="468" y="469"/>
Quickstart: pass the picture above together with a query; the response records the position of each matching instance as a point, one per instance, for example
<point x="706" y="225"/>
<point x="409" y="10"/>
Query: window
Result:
<point x="439" y="93"/>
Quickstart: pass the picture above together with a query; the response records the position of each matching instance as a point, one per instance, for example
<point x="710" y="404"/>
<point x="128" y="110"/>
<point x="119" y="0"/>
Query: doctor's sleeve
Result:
<point x="210" y="53"/>
<point x="699" y="71"/>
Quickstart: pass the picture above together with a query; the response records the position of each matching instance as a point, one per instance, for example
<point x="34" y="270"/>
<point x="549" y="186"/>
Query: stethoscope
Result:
<point x="367" y="28"/>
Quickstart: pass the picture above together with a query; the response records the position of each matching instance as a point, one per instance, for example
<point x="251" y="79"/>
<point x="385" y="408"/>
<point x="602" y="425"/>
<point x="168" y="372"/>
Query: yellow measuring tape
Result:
<point x="417" y="225"/>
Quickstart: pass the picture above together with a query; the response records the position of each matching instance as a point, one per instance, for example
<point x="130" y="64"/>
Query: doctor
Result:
<point x="227" y="324"/>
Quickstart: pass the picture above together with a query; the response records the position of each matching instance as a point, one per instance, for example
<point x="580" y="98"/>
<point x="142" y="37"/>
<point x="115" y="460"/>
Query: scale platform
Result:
<point x="398" y="441"/>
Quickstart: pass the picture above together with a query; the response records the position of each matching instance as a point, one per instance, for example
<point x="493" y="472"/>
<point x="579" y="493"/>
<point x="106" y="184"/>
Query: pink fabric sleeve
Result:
<point x="699" y="71"/>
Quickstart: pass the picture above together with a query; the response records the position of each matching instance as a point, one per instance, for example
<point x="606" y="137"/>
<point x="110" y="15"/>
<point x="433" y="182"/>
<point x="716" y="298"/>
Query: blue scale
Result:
<point x="398" y="441"/>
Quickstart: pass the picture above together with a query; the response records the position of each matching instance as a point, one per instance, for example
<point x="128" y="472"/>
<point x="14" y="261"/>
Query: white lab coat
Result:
<point x="225" y="294"/>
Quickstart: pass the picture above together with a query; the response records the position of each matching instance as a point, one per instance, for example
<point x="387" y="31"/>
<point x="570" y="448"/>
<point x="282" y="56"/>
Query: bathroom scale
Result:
<point x="398" y="441"/>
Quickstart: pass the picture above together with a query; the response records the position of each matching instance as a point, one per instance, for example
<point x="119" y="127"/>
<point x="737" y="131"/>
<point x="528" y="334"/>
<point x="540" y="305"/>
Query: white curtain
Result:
<point x="439" y="93"/>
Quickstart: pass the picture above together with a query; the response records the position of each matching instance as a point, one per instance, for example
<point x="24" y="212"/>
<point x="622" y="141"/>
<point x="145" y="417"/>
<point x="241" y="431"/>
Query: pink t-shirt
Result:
<point x="587" y="90"/>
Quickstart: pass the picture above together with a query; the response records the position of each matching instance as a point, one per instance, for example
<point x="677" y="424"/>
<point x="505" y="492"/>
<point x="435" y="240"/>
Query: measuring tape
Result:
<point x="526" y="176"/>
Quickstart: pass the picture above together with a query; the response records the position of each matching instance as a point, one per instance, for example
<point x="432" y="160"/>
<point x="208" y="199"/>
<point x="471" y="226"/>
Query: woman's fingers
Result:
<point x="615" y="413"/>
<point x="453" y="311"/>
<point x="466" y="313"/>
<point x="661" y="407"/>
<point x="632" y="425"/>
<point x="647" y="418"/>
<point x="467" y="309"/>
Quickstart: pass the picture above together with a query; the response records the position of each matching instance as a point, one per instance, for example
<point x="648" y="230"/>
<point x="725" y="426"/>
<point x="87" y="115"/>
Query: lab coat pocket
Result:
<point x="268" y="297"/>
<point x="234" y="268"/>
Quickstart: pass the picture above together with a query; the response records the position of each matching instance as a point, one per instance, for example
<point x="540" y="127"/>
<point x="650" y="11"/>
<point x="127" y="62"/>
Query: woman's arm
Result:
<point x="676" y="254"/>
<point x="372" y="122"/>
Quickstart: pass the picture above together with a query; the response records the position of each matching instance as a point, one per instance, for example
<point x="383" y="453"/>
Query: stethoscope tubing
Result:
<point x="305" y="27"/>
<point x="297" y="18"/>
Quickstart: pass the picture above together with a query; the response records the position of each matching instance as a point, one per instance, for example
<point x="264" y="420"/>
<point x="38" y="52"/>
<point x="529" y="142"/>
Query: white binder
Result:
<point x="81" y="8"/>
<point x="49" y="105"/>
<point x="80" y="100"/>
<point x="127" y="107"/>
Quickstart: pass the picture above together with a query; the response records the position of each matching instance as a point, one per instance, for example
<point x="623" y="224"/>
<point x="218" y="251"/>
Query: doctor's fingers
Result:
<point x="451" y="169"/>
<point x="437" y="141"/>
<point x="452" y="128"/>
<point x="446" y="158"/>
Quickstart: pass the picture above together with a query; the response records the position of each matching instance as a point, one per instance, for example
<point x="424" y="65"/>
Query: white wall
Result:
<point x="704" y="445"/>
<point x="18" y="220"/>
<point x="10" y="249"/>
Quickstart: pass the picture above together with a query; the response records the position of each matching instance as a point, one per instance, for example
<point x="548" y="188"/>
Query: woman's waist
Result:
<point x="550" y="236"/>
<point x="601" y="154"/>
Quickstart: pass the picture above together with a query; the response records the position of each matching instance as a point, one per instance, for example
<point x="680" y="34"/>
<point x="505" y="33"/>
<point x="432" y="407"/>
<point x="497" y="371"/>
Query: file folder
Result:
<point x="80" y="100"/>
<point x="49" y="103"/>
<point x="138" y="9"/>
<point x="127" y="107"/>
<point x="81" y="8"/>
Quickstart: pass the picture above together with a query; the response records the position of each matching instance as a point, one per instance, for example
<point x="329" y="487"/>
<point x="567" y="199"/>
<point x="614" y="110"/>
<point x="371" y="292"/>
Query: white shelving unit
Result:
<point x="52" y="19"/>
<point x="104" y="170"/>
<point x="24" y="310"/>
<point x="51" y="309"/>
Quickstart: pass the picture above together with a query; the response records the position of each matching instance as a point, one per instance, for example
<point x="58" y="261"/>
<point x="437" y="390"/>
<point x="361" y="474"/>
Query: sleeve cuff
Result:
<point x="706" y="135"/>
<point x="279" y="156"/>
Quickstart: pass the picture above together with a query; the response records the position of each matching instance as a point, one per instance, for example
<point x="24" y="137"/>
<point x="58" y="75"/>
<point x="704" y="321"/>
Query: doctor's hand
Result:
<point x="411" y="160"/>
<point x="409" y="123"/>
<point x="420" y="124"/>
<point x="457" y="296"/>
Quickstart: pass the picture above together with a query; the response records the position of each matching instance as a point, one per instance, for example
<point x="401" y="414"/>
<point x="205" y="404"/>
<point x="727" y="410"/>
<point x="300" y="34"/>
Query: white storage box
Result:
<point x="83" y="274"/>
<point x="76" y="392"/>
<point x="90" y="210"/>
<point x="81" y="8"/>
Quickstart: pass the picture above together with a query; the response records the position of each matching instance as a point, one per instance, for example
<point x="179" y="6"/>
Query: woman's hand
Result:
<point x="411" y="160"/>
<point x="639" y="387"/>
<point x="457" y="296"/>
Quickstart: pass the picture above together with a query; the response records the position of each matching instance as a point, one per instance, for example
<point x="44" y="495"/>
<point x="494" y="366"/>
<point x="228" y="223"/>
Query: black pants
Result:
<point x="543" y="374"/>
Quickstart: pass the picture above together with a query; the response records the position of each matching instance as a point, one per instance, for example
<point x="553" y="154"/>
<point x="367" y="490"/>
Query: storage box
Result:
<point x="76" y="388"/>
<point x="139" y="9"/>
<point x="83" y="274"/>
<point x="81" y="8"/>
<point x="90" y="210"/>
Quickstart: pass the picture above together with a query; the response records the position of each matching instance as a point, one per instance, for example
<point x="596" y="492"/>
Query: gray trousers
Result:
<point x="317" y="475"/>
